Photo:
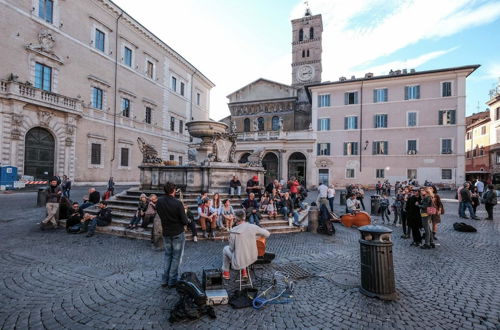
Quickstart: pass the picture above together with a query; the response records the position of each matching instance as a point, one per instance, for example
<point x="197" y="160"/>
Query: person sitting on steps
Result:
<point x="206" y="213"/>
<point x="242" y="249"/>
<point x="103" y="218"/>
<point x="288" y="211"/>
<point x="251" y="207"/>
<point x="235" y="187"/>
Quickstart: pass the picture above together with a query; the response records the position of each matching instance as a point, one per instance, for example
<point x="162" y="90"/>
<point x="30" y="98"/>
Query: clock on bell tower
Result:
<point x="306" y="49"/>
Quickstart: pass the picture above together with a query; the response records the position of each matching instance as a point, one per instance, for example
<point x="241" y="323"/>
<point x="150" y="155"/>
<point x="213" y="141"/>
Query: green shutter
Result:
<point x="418" y="92"/>
<point x="374" y="148"/>
<point x="328" y="149"/>
<point x="452" y="117"/>
<point x="440" y="117"/>
<point x="374" y="96"/>
<point x="318" y="148"/>
<point x="355" y="97"/>
<point x="345" y="148"/>
<point x="386" y="94"/>
<point x="346" y="98"/>
<point x="386" y="147"/>
<point x="406" y="92"/>
<point x="345" y="122"/>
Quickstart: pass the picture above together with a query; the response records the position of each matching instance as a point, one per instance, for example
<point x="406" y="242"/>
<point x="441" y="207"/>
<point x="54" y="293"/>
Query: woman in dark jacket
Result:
<point x="425" y="203"/>
<point x="413" y="217"/>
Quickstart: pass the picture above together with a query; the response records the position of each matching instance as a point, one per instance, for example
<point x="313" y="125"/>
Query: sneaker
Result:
<point x="205" y="234"/>
<point x="432" y="245"/>
<point x="195" y="238"/>
<point x="213" y="234"/>
<point x="244" y="273"/>
<point x="225" y="275"/>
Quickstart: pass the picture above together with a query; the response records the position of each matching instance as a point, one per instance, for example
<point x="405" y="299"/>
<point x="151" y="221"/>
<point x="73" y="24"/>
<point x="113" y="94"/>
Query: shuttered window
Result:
<point x="124" y="157"/>
<point x="95" y="154"/>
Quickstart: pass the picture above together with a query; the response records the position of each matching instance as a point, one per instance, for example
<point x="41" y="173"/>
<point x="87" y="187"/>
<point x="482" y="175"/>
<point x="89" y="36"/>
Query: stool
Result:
<point x="240" y="280"/>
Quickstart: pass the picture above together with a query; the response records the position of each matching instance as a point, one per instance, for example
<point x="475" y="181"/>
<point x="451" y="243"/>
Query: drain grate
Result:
<point x="293" y="271"/>
<point x="343" y="280"/>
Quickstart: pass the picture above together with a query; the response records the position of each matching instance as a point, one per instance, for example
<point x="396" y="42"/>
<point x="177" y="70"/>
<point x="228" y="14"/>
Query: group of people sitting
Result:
<point x="59" y="206"/>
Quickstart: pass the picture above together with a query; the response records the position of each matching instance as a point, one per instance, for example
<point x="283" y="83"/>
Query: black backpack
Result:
<point x="463" y="227"/>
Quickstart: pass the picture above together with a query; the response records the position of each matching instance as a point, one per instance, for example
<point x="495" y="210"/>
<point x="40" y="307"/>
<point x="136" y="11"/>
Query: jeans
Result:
<point x="174" y="249"/>
<point x="66" y="193"/>
<point x="397" y="215"/>
<point x="253" y="218"/>
<point x="384" y="214"/>
<point x="96" y="221"/>
<point x="427" y="223"/>
<point x="235" y="191"/>
<point x="468" y="206"/>
<point x="330" y="201"/>
<point x="295" y="214"/>
<point x="227" y="256"/>
<point x="489" y="209"/>
<point x="404" y="221"/>
<point x="461" y="209"/>
<point x="192" y="227"/>
<point x="147" y="219"/>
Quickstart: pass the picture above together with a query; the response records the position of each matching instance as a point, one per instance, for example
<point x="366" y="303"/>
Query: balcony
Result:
<point x="30" y="94"/>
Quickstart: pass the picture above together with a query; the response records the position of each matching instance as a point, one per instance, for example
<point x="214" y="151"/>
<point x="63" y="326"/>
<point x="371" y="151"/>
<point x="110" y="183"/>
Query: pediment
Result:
<point x="262" y="89"/>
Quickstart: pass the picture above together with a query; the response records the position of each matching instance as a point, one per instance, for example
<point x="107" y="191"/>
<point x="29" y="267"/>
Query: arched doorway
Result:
<point x="297" y="167"/>
<point x="244" y="158"/>
<point x="39" y="150"/>
<point x="271" y="165"/>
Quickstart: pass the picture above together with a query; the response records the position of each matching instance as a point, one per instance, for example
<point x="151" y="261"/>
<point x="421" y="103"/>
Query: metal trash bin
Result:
<point x="374" y="204"/>
<point x="377" y="269"/>
<point x="41" y="197"/>
<point x="312" y="222"/>
<point x="343" y="195"/>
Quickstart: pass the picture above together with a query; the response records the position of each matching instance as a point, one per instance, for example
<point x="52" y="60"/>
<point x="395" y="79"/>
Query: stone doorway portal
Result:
<point x="39" y="153"/>
<point x="297" y="167"/>
<point x="270" y="163"/>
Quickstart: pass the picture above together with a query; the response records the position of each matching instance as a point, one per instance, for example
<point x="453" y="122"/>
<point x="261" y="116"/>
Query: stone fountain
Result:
<point x="211" y="163"/>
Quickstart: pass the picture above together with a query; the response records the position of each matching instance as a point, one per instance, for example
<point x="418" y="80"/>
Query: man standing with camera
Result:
<point x="173" y="219"/>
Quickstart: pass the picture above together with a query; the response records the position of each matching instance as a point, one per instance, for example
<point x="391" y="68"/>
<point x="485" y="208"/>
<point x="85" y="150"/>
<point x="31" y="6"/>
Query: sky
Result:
<point x="235" y="42"/>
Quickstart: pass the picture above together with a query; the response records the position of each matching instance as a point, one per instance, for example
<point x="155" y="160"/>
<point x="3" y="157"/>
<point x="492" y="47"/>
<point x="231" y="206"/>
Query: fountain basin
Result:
<point x="206" y="128"/>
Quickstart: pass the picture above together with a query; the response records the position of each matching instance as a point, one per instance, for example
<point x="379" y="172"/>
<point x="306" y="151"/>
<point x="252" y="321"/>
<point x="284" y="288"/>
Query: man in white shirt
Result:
<point x="322" y="194"/>
<point x="480" y="187"/>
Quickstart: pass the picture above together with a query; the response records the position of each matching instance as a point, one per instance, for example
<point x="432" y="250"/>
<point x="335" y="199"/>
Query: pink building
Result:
<point x="398" y="126"/>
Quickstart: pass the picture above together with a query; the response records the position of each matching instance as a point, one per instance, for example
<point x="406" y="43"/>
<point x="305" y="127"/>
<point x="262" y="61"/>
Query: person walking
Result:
<point x="398" y="207"/>
<point x="111" y="186"/>
<point x="425" y="205"/>
<point x="384" y="208"/>
<point x="480" y="187"/>
<point x="490" y="200"/>
<point x="173" y="219"/>
<point x="331" y="196"/>
<point x="53" y="199"/>
<point x="322" y="194"/>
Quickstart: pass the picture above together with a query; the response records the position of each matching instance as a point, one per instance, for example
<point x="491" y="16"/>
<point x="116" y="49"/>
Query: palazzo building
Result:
<point x="81" y="81"/>
<point x="477" y="146"/>
<point x="276" y="117"/>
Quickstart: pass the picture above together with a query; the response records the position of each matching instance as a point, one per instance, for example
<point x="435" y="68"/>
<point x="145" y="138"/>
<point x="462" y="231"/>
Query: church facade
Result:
<point x="276" y="117"/>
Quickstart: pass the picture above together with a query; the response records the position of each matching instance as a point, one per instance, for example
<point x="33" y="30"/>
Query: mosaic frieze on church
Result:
<point x="243" y="110"/>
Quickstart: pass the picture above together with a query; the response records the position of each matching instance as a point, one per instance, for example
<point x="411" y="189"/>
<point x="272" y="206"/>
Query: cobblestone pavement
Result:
<point x="54" y="280"/>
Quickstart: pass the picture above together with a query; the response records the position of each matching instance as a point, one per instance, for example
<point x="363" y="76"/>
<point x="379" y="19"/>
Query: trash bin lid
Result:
<point x="375" y="229"/>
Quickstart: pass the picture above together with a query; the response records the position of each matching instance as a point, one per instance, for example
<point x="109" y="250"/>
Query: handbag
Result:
<point x="431" y="210"/>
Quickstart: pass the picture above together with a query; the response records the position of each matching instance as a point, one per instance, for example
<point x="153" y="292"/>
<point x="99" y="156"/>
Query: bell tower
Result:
<point x="306" y="49"/>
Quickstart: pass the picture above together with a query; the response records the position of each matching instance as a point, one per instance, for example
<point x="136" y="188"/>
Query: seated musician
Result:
<point x="352" y="204"/>
<point x="242" y="249"/>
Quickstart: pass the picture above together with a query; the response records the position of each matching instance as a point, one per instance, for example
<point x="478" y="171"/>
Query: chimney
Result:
<point x="405" y="71"/>
<point x="369" y="75"/>
<point x="342" y="78"/>
<point x="353" y="77"/>
<point x="412" y="70"/>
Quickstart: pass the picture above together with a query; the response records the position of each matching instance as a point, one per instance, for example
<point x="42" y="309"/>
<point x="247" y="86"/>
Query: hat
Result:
<point x="255" y="178"/>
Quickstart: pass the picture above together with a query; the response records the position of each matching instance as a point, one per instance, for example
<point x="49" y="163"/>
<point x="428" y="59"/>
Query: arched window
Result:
<point x="276" y="123"/>
<point x="246" y="125"/>
<point x="311" y="33"/>
<point x="301" y="35"/>
<point x="260" y="124"/>
<point x="308" y="53"/>
<point x="303" y="53"/>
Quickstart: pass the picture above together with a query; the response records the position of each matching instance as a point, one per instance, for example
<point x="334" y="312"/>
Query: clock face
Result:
<point x="305" y="73"/>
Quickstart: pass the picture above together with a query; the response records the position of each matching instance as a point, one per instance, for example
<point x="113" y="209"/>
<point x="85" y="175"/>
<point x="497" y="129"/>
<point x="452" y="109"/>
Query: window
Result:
<point x="307" y="53"/>
<point x="350" y="173"/>
<point x="180" y="160"/>
<point x="497" y="113"/>
<point x="351" y="122"/>
<point x="446" y="146"/>
<point x="446" y="173"/>
<point x="351" y="98"/>
<point x="380" y="121"/>
<point x="323" y="149"/>
<point x="446" y="89"/>
<point x="483" y="130"/>
<point x="350" y="148"/>
<point x="124" y="157"/>
<point x="446" y="117"/>
<point x="411" y="147"/>
<point x="379" y="173"/>
<point x="46" y="10"/>
<point x="97" y="98"/>
<point x="260" y="124"/>
<point x="323" y="176"/>
<point x="181" y="126"/>
<point x="301" y="35"/>
<point x="311" y="33"/>
<point x="468" y="154"/>
<point x="324" y="124"/>
<point x="324" y="100"/>
<point x="412" y="92"/>
<point x="147" y="118"/>
<point x="497" y="157"/>
<point x="303" y="53"/>
<point x="125" y="107"/>
<point x="411" y="119"/>
<point x="171" y="157"/>
<point x="172" y="124"/>
<point x="182" y="88"/>
<point x="380" y="95"/>
<point x="150" y="69"/>
<point x="43" y="77"/>
<point x="100" y="37"/>
<point x="380" y="148"/>
<point x="481" y="151"/>
<point x="127" y="57"/>
<point x="173" y="86"/>
<point x="468" y="135"/>
<point x="411" y="173"/>
<point x="275" y="123"/>
<point x="198" y="98"/>
<point x="246" y="125"/>
<point x="95" y="154"/>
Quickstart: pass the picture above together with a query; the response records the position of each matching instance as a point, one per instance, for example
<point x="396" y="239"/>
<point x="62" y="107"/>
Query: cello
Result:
<point x="358" y="219"/>
<point x="261" y="246"/>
